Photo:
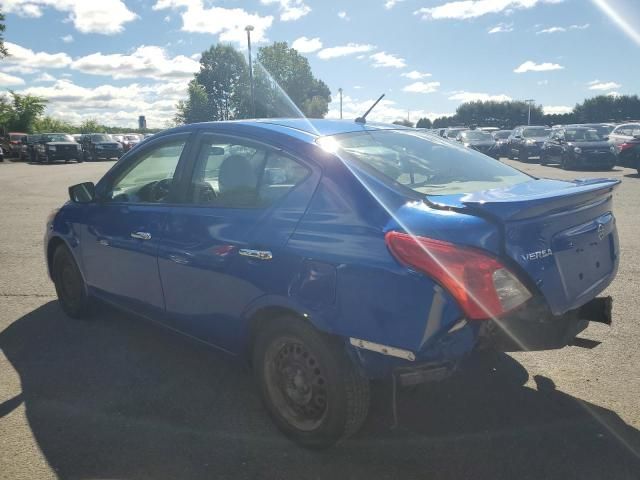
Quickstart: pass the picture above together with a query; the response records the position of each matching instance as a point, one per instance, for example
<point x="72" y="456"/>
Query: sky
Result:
<point x="112" y="60"/>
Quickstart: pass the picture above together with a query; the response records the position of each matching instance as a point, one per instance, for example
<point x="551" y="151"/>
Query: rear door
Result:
<point x="125" y="226"/>
<point x="225" y="245"/>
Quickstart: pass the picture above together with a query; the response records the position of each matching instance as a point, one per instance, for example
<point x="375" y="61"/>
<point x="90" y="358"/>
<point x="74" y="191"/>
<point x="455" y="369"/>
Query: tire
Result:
<point x="309" y="385"/>
<point x="564" y="163"/>
<point x="523" y="157"/>
<point x="70" y="286"/>
<point x="543" y="159"/>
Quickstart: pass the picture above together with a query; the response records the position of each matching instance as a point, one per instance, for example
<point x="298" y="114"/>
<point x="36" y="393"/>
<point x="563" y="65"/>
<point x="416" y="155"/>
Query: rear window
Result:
<point x="536" y="132"/>
<point x="425" y="164"/>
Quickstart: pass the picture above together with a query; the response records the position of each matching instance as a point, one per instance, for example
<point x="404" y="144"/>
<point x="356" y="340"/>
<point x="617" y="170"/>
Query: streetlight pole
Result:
<point x="529" y="102"/>
<point x="249" y="29"/>
<point x="340" y="91"/>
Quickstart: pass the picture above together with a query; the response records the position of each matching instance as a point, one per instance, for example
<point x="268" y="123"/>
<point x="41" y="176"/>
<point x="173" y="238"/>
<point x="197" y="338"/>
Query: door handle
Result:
<point x="103" y="242"/>
<point x="141" y="235"/>
<point x="258" y="254"/>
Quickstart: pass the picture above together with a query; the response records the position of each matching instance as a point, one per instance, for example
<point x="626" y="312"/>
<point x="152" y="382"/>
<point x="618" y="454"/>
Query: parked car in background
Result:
<point x="625" y="144"/>
<point x="603" y="129"/>
<point x="479" y="140"/>
<point x="453" y="132"/>
<point x="96" y="146"/>
<point x="28" y="151"/>
<point x="525" y="142"/>
<point x="1" y="154"/>
<point x="259" y="238"/>
<point x="489" y="129"/>
<point x="15" y="144"/>
<point x="578" y="147"/>
<point x="502" y="141"/>
<point x="130" y="140"/>
<point x="53" y="147"/>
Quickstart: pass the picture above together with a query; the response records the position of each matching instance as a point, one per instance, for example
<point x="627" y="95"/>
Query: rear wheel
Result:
<point x="565" y="163"/>
<point x="70" y="286"/>
<point x="522" y="156"/>
<point x="309" y="385"/>
<point x="543" y="159"/>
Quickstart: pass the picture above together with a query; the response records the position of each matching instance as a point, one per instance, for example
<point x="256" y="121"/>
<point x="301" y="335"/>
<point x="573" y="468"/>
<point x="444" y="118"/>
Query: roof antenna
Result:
<point x="363" y="119"/>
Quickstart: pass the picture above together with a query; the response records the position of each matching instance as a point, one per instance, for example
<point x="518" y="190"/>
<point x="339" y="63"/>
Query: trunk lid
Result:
<point x="562" y="234"/>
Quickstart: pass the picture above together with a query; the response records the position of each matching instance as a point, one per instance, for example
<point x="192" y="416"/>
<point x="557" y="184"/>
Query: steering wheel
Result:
<point x="155" y="191"/>
<point x="206" y="193"/>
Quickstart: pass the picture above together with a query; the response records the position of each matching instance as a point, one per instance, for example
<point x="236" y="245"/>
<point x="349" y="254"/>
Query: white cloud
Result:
<point x="464" y="9"/>
<point x="25" y="57"/>
<point x="530" y="66"/>
<point x="227" y="23"/>
<point x="422" y="87"/>
<point x="502" y="28"/>
<point x="145" y="61"/>
<point x="7" y="80"/>
<point x="386" y="111"/>
<point x="67" y="38"/>
<point x="415" y="75"/>
<point x="110" y="104"/>
<point x="290" y="9"/>
<point x="45" y="77"/>
<point x="88" y="16"/>
<point x="556" y="109"/>
<point x="387" y="60"/>
<point x="563" y="29"/>
<point x="598" y="85"/>
<point x="343" y="15"/>
<point x="389" y="4"/>
<point x="463" y="96"/>
<point x="344" y="50"/>
<point x="307" y="45"/>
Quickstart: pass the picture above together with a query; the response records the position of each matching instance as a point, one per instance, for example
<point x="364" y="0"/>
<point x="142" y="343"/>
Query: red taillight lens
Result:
<point x="481" y="285"/>
<point x="625" y="146"/>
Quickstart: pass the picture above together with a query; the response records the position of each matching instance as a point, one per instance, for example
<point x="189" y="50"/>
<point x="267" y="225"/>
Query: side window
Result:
<point x="149" y="178"/>
<point x="234" y="174"/>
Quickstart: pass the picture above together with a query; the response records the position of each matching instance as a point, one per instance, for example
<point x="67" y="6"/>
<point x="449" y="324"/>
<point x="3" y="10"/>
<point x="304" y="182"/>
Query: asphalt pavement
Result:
<point x="118" y="397"/>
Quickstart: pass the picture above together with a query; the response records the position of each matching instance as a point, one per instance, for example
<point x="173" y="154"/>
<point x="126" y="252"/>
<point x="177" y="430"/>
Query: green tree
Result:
<point x="50" y="124"/>
<point x="22" y="111"/>
<point x="3" y="49"/>
<point x="197" y="106"/>
<point x="608" y="108"/>
<point x="224" y="75"/>
<point x="281" y="69"/>
<point x="423" y="123"/>
<point x="91" y="126"/>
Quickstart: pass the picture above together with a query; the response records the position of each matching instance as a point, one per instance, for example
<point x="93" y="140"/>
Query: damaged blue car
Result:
<point x="328" y="253"/>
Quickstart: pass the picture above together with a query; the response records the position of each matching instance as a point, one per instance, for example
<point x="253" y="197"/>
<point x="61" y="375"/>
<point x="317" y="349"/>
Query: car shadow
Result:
<point x="117" y="397"/>
<point x="632" y="175"/>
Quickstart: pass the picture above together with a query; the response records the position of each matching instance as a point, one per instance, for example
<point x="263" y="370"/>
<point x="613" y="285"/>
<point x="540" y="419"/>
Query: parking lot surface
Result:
<point x="118" y="397"/>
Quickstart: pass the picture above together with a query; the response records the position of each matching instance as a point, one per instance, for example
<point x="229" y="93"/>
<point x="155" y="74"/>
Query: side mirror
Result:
<point x="605" y="138"/>
<point x="518" y="137"/>
<point x="82" y="192"/>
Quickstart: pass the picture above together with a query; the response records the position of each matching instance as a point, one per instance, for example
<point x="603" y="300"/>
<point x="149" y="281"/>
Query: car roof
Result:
<point x="301" y="128"/>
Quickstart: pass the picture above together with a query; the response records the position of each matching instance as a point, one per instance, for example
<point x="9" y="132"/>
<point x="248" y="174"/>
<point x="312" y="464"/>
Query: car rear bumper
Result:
<point x="591" y="159"/>
<point x="536" y="328"/>
<point x="58" y="156"/>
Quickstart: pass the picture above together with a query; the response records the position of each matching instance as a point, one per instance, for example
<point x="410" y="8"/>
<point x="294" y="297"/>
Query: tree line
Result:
<point x="284" y="86"/>
<point x="602" y="108"/>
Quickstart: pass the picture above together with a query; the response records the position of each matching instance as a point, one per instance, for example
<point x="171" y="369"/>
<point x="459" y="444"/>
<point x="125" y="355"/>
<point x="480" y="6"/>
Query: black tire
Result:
<point x="523" y="157"/>
<point x="543" y="159"/>
<point x="564" y="163"/>
<point x="309" y="385"/>
<point x="70" y="286"/>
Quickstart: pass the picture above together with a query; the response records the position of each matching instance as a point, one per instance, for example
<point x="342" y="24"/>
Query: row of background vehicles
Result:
<point x="591" y="145"/>
<point x="54" y="147"/>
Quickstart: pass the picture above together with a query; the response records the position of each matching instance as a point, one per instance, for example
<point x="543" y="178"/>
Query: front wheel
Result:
<point x="70" y="286"/>
<point x="309" y="385"/>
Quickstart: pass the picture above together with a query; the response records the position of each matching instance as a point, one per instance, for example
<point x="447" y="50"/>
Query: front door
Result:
<point x="124" y="227"/>
<point x="224" y="247"/>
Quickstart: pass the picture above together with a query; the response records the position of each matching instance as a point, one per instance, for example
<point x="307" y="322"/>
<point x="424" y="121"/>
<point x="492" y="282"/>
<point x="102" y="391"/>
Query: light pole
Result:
<point x="529" y="102"/>
<point x="340" y="91"/>
<point x="249" y="29"/>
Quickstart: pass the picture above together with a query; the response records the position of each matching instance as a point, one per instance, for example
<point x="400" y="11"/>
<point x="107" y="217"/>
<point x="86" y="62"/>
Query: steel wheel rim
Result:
<point x="296" y="384"/>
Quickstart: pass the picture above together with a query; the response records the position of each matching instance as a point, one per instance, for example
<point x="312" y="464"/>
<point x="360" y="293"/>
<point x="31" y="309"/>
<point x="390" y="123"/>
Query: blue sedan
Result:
<point x="329" y="253"/>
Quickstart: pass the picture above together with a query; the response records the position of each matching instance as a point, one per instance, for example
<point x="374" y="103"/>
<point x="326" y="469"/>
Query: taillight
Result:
<point x="482" y="286"/>
<point x="625" y="146"/>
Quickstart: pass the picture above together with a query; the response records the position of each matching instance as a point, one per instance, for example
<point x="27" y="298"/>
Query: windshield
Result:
<point x="477" y="135"/>
<point x="502" y="134"/>
<point x="424" y="164"/>
<point x="453" y="133"/>
<point x="131" y="137"/>
<point x="101" y="138"/>
<point x="536" y="132"/>
<point x="582" y="135"/>
<point x="57" y="137"/>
